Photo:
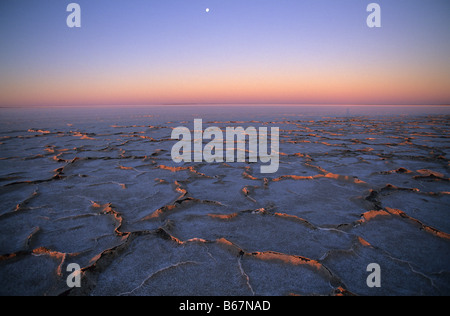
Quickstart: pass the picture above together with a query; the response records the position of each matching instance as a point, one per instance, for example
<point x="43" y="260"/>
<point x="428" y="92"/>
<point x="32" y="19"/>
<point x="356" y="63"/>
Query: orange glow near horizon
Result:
<point x="317" y="87"/>
<point x="159" y="52"/>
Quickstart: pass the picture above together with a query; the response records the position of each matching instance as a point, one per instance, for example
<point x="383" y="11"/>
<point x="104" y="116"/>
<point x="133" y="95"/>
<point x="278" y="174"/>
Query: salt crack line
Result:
<point x="157" y="272"/>
<point x="247" y="279"/>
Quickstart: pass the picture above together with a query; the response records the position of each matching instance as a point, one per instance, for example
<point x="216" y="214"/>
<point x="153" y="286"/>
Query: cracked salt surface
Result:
<point x="99" y="188"/>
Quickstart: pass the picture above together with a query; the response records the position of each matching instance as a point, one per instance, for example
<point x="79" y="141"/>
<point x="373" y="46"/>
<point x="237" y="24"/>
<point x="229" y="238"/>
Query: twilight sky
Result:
<point x="241" y="51"/>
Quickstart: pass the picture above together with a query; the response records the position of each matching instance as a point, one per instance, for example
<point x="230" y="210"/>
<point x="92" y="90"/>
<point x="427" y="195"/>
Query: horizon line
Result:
<point x="220" y="103"/>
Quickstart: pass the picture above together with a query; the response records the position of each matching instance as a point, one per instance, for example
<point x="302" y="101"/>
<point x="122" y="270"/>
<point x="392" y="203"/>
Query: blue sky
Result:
<point x="255" y="51"/>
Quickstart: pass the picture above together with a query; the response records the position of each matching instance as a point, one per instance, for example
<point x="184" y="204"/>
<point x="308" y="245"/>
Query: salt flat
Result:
<point x="99" y="188"/>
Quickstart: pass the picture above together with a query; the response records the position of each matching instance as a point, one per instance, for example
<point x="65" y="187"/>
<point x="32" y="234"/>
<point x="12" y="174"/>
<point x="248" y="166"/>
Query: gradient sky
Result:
<point x="242" y="51"/>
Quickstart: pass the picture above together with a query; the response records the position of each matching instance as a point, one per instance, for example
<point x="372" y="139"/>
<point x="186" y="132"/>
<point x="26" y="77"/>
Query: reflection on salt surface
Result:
<point x="98" y="187"/>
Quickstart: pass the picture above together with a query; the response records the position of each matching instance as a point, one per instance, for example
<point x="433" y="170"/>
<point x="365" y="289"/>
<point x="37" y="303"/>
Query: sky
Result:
<point x="241" y="51"/>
